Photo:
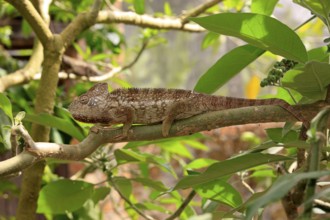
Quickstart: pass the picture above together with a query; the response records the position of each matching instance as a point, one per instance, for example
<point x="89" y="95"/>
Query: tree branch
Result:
<point x="80" y="23"/>
<point x="99" y="136"/>
<point x="198" y="10"/>
<point x="27" y="72"/>
<point x="34" y="19"/>
<point x="146" y="21"/>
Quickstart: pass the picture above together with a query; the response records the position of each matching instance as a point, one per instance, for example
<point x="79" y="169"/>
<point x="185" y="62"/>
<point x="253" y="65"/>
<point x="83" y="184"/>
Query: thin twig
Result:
<point x="144" y="46"/>
<point x="129" y="202"/>
<point x="198" y="10"/>
<point x="185" y="203"/>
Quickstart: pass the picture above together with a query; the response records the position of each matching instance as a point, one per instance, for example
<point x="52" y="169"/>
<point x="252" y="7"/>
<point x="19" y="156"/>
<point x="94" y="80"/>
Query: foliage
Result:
<point x="304" y="73"/>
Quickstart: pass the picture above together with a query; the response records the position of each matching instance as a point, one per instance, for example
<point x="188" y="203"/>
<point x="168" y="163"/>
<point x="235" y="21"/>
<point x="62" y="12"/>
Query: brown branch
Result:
<point x="80" y="23"/>
<point x="39" y="26"/>
<point x="198" y="10"/>
<point x="146" y="21"/>
<point x="185" y="203"/>
<point x="143" y="47"/>
<point x="207" y="121"/>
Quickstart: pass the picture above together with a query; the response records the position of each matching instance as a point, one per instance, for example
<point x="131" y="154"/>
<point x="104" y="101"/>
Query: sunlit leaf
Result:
<point x="263" y="7"/>
<point x="220" y="191"/>
<point x="262" y="31"/>
<point x="228" y="167"/>
<point x="227" y="67"/>
<point x="200" y="163"/>
<point x="167" y="9"/>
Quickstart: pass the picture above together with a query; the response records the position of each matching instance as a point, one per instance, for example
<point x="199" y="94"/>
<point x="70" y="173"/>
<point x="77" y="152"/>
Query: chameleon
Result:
<point x="158" y="105"/>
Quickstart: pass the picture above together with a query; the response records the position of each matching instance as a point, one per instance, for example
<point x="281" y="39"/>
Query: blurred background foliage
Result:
<point x="143" y="173"/>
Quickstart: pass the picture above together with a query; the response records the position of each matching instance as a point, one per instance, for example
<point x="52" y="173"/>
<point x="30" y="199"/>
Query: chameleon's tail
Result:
<point x="221" y="102"/>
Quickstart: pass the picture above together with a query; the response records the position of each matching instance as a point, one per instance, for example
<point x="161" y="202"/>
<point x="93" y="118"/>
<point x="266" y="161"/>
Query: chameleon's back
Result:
<point x="152" y="105"/>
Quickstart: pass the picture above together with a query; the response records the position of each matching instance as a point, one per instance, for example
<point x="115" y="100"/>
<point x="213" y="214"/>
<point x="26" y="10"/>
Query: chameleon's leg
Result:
<point x="129" y="114"/>
<point x="172" y="113"/>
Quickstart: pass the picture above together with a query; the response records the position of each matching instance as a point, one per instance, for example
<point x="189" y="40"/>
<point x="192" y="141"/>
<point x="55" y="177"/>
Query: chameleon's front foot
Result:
<point x="166" y="128"/>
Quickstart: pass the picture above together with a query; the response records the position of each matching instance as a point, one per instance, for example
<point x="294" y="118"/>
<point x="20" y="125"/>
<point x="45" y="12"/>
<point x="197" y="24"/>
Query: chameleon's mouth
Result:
<point x="93" y="119"/>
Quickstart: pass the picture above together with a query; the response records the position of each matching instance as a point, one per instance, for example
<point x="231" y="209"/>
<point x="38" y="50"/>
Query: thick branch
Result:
<point x="34" y="19"/>
<point x="146" y="21"/>
<point x="80" y="23"/>
<point x="188" y="126"/>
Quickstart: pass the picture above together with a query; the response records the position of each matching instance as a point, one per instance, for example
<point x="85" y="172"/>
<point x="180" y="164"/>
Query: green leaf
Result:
<point x="263" y="7"/>
<point x="261" y="31"/>
<point x="195" y="144"/>
<point x="227" y="67"/>
<point x="176" y="148"/>
<point x="56" y="122"/>
<point x="100" y="193"/>
<point x="228" y="167"/>
<point x="319" y="54"/>
<point x="276" y="135"/>
<point x="135" y="144"/>
<point x="63" y="196"/>
<point x="209" y="39"/>
<point x="279" y="188"/>
<point x="167" y="9"/>
<point x="200" y="163"/>
<point x="157" y="185"/>
<point x="5" y="105"/>
<point x="125" y="156"/>
<point x="310" y="80"/>
<point x="124" y="185"/>
<point x="139" y="6"/>
<point x="220" y="191"/>
<point x="152" y="206"/>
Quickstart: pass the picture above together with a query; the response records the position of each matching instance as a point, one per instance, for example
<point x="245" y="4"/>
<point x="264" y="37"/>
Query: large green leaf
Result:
<point x="263" y="7"/>
<point x="259" y="30"/>
<point x="56" y="122"/>
<point x="63" y="196"/>
<point x="228" y="167"/>
<point x="227" y="67"/>
<point x="310" y="80"/>
<point x="279" y="188"/>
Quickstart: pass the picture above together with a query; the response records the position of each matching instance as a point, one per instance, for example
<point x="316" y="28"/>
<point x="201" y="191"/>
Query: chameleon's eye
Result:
<point x="83" y="99"/>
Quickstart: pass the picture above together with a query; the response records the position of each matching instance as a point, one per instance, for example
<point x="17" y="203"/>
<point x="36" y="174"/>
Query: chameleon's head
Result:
<point x="90" y="107"/>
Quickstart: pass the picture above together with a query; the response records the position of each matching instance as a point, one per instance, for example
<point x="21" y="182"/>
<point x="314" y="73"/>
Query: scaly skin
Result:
<point x="149" y="106"/>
